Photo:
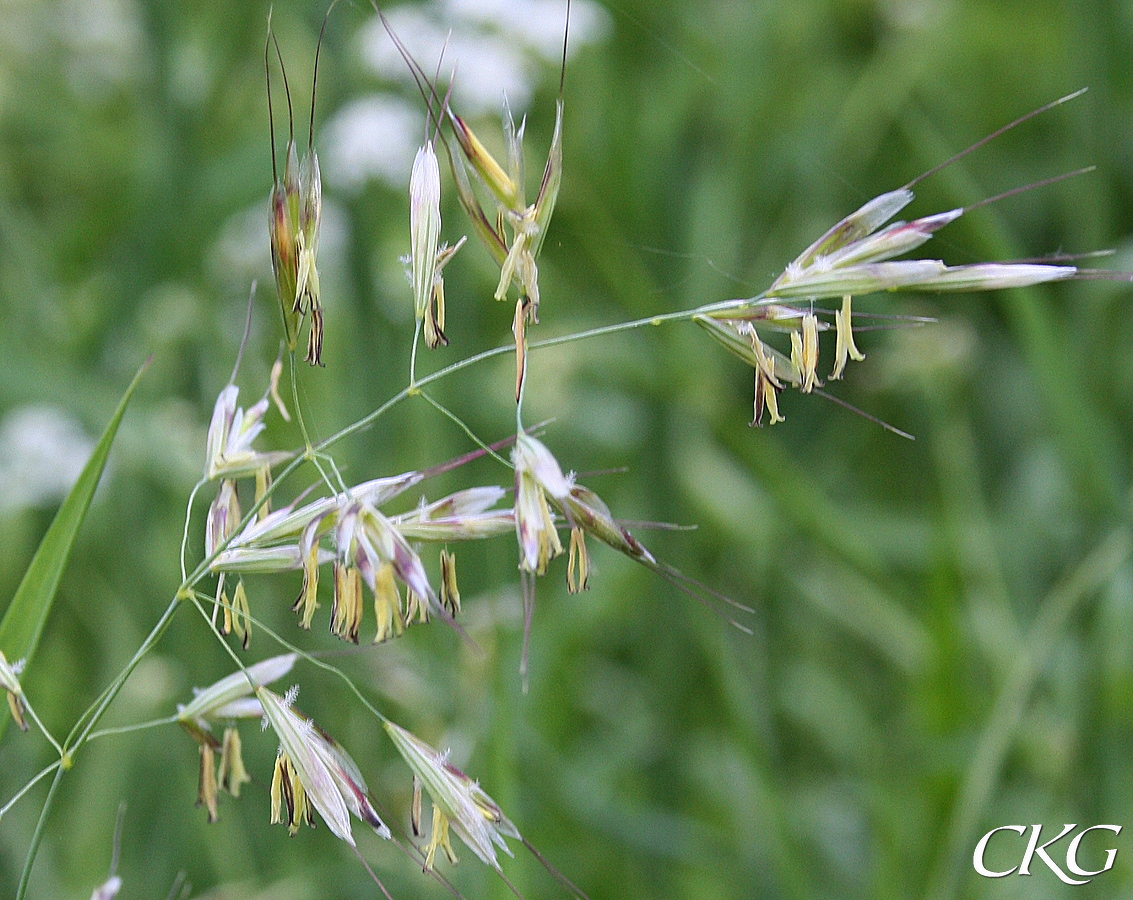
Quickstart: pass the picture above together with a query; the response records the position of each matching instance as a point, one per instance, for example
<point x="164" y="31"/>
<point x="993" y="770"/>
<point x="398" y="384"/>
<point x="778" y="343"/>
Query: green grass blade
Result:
<point x="26" y="616"/>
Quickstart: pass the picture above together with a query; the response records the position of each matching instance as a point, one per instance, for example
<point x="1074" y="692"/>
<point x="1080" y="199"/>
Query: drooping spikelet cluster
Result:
<point x="367" y="548"/>
<point x="227" y="701"/>
<point x="314" y="773"/>
<point x="459" y="803"/>
<point x="854" y="257"/>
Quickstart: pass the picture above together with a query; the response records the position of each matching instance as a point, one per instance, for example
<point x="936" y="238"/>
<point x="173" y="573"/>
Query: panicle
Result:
<point x="541" y="484"/>
<point x="296" y="210"/>
<point x="586" y="515"/>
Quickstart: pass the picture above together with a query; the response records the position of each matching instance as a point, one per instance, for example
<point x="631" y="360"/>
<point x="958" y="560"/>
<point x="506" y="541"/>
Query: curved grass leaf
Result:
<point x="24" y="620"/>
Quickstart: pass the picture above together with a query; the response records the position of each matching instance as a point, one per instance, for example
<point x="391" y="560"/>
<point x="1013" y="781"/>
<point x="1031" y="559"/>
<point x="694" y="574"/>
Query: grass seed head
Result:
<point x="284" y="234"/>
<point x="313" y="770"/>
<point x="232" y="431"/>
<point x="424" y="225"/>
<point x="428" y="257"/>
<point x="295" y="214"/>
<point x="489" y="172"/>
<point x="461" y="802"/>
<point x="520" y="229"/>
<point x="537" y="475"/>
<point x="853" y="257"/>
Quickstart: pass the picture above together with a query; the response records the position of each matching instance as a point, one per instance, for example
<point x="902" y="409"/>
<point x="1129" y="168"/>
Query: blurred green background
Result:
<point x="943" y="638"/>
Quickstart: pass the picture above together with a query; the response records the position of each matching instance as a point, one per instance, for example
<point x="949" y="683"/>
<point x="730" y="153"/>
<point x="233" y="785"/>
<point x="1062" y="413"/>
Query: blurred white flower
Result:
<point x="42" y="452"/>
<point x="487" y="65"/>
<point x="372" y="137"/>
<point x="108" y="890"/>
<point x="537" y="23"/>
<point x="496" y="48"/>
<point x="105" y="39"/>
